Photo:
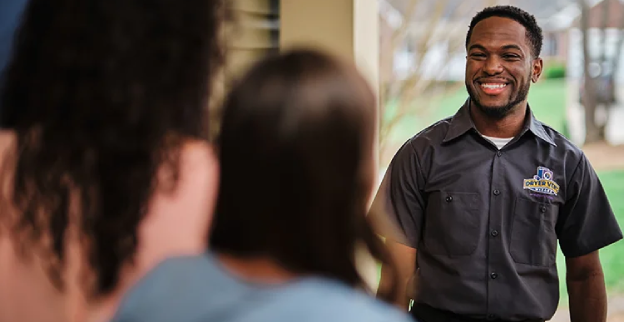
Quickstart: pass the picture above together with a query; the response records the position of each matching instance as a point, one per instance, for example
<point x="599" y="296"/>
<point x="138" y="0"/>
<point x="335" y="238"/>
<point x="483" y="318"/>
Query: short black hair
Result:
<point x="533" y="31"/>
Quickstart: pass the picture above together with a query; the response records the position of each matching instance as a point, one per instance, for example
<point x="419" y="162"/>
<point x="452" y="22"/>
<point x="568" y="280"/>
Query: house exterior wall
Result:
<point x="575" y="53"/>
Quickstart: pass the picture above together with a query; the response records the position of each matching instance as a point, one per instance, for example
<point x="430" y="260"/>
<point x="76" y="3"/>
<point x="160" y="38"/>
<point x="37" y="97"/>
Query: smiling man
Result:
<point x="480" y="200"/>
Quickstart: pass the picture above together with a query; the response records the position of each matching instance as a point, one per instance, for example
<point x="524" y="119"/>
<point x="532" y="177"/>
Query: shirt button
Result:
<point x="496" y="192"/>
<point x="449" y="198"/>
<point x="542" y="209"/>
<point x="494" y="233"/>
<point x="494" y="276"/>
<point x="499" y="153"/>
<point x="491" y="317"/>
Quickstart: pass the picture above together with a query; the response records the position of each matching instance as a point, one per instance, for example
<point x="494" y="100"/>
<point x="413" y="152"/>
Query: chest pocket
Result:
<point x="452" y="223"/>
<point x="533" y="237"/>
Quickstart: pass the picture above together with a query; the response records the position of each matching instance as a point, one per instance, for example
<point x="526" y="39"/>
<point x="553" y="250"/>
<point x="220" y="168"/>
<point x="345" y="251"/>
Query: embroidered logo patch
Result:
<point x="542" y="182"/>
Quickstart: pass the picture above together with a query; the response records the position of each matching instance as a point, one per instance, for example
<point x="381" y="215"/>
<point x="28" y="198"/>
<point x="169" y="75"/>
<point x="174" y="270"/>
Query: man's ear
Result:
<point x="538" y="66"/>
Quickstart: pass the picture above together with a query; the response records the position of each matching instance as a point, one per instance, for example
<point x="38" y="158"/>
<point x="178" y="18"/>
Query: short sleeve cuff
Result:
<point x="572" y="251"/>
<point x="393" y="233"/>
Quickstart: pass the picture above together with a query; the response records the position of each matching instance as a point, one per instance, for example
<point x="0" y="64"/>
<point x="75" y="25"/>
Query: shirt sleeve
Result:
<point x="586" y="221"/>
<point x="400" y="198"/>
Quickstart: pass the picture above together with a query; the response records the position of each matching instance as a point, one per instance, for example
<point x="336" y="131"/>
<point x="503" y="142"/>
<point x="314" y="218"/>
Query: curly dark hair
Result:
<point x="101" y="95"/>
<point x="533" y="30"/>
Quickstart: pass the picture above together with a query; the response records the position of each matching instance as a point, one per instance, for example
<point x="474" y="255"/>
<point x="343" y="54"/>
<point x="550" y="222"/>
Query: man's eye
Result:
<point x="477" y="55"/>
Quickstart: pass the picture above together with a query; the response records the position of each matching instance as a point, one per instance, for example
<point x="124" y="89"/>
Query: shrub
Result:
<point x="555" y="71"/>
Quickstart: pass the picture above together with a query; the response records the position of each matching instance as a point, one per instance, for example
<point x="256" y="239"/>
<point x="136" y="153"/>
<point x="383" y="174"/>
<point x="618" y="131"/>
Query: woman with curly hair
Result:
<point x="105" y="168"/>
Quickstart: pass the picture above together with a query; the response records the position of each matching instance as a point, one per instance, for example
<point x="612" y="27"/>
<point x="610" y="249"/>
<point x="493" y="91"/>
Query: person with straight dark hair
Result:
<point x="296" y="155"/>
<point x="105" y="166"/>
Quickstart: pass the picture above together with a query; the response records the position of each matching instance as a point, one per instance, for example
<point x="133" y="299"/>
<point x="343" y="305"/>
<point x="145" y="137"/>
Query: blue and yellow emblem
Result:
<point x="542" y="182"/>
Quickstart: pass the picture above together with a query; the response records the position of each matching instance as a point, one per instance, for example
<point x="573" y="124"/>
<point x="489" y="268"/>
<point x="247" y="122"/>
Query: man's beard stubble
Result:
<point x="499" y="112"/>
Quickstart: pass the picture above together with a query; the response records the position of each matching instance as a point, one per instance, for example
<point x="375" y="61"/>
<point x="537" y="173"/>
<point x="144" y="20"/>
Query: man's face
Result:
<point x="499" y="66"/>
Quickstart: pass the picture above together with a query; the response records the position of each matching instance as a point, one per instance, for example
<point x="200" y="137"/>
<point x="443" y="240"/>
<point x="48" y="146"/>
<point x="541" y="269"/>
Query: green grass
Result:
<point x="611" y="257"/>
<point x="440" y="108"/>
<point x="547" y="99"/>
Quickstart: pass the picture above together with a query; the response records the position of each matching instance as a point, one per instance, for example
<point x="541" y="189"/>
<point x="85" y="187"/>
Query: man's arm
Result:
<point x="585" y="225"/>
<point x="400" y="206"/>
<point x="404" y="258"/>
<point x="586" y="288"/>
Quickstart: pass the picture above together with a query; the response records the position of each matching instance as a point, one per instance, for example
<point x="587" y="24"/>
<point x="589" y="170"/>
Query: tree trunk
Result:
<point x="603" y="33"/>
<point x="592" y="133"/>
<point x="604" y="61"/>
<point x="602" y="128"/>
<point x="618" y="49"/>
<point x="615" y="65"/>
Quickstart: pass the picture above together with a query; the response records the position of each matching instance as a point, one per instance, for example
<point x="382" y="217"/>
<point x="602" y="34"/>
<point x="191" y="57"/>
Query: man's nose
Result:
<point x="493" y="65"/>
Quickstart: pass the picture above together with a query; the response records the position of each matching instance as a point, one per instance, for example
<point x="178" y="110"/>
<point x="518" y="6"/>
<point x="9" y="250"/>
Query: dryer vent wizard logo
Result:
<point x="542" y="182"/>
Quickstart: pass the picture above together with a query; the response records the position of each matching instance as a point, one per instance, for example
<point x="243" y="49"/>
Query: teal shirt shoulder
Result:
<point x="198" y="289"/>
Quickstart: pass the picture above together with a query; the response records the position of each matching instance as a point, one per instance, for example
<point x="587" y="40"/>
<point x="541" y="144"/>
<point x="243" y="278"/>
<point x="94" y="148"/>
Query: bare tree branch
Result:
<point x="441" y="33"/>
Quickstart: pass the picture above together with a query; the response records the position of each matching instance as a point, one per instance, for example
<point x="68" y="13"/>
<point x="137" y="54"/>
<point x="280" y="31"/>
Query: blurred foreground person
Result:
<point x="10" y="16"/>
<point x="296" y="154"/>
<point x="104" y="167"/>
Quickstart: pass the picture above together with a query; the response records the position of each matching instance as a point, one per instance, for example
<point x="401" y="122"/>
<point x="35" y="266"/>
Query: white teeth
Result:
<point x="492" y="86"/>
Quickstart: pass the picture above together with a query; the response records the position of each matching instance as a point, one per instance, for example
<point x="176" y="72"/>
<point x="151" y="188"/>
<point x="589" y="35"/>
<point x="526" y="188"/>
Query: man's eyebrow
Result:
<point x="506" y="47"/>
<point x="476" y="46"/>
<point x="512" y="47"/>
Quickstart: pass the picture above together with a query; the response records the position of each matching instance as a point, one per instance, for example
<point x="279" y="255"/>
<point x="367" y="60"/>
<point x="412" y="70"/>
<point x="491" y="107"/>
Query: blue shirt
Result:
<point x="194" y="289"/>
<point x="10" y="17"/>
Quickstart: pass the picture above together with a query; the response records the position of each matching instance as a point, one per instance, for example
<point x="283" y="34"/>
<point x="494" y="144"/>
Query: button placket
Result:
<point x="495" y="227"/>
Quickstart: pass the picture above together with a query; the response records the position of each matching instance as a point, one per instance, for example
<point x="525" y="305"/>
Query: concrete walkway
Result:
<point x="615" y="311"/>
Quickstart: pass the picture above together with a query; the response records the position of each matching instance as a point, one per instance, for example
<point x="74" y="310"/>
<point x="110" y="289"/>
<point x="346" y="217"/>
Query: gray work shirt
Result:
<point x="486" y="221"/>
